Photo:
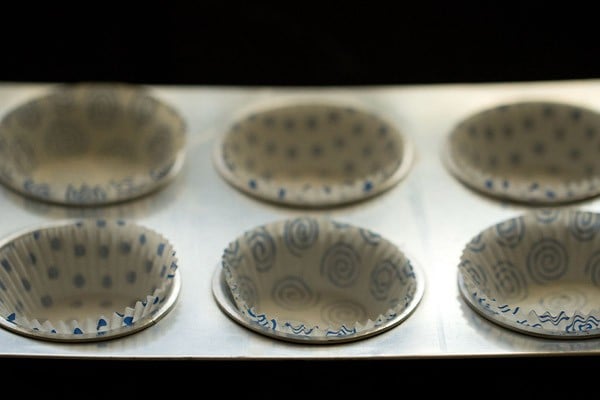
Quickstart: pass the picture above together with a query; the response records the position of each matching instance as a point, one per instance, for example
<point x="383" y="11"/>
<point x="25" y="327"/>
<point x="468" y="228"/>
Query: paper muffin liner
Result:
<point x="90" y="144"/>
<point x="538" y="273"/>
<point x="315" y="279"/>
<point x="312" y="153"/>
<point x="86" y="280"/>
<point x="536" y="152"/>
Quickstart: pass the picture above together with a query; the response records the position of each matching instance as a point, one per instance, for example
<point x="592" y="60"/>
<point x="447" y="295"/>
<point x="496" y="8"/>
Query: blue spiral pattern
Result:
<point x="510" y="233"/>
<point x="477" y="244"/>
<point x="592" y="268"/>
<point x="300" y="234"/>
<point x="341" y="265"/>
<point x="584" y="225"/>
<point x="370" y="237"/>
<point x="546" y="215"/>
<point x="383" y="277"/>
<point x="343" y="313"/>
<point x="509" y="281"/>
<point x="293" y="293"/>
<point x="547" y="260"/>
<point x="475" y="272"/>
<point x="262" y="248"/>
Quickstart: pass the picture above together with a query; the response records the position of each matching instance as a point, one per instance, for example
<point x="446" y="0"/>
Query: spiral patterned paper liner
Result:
<point x="312" y="154"/>
<point x="544" y="280"/>
<point x="91" y="144"/>
<point x="86" y="280"/>
<point x="325" y="281"/>
<point x="537" y="152"/>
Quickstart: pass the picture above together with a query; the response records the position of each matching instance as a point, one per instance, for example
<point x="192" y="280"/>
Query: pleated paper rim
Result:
<point x="143" y="323"/>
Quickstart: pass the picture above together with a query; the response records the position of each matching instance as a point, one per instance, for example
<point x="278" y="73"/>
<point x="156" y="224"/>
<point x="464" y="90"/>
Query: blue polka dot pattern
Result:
<point x="307" y="157"/>
<point x="533" y="152"/>
<point x="53" y="279"/>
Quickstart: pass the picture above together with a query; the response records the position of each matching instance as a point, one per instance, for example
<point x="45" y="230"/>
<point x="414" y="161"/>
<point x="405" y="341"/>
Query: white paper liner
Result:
<point x="314" y="278"/>
<point x="537" y="152"/>
<point x="91" y="143"/>
<point x="312" y="153"/>
<point x="538" y="273"/>
<point x="86" y="280"/>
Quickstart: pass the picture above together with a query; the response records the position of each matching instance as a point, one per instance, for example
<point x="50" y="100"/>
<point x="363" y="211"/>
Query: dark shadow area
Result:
<point x="541" y="375"/>
<point x="324" y="43"/>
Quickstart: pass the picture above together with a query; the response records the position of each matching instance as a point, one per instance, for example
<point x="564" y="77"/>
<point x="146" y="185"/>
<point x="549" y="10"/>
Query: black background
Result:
<point x="300" y="44"/>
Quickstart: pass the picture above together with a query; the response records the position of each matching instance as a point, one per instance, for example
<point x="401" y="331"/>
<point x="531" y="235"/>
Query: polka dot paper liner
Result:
<point x="313" y="154"/>
<point x="91" y="144"/>
<point x="315" y="280"/>
<point x="86" y="280"/>
<point x="532" y="152"/>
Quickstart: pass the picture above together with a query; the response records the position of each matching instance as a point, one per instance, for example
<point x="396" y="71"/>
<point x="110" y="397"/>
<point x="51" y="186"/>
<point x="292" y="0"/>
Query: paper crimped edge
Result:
<point x="130" y="317"/>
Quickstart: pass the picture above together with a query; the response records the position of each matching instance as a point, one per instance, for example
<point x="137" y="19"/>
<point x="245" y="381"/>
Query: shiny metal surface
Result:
<point x="429" y="214"/>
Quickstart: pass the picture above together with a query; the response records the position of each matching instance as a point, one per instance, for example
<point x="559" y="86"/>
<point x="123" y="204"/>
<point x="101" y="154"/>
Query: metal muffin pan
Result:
<point x="430" y="213"/>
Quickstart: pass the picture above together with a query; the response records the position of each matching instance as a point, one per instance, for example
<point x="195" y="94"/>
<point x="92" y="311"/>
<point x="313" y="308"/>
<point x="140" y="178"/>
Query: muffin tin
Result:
<point x="428" y="212"/>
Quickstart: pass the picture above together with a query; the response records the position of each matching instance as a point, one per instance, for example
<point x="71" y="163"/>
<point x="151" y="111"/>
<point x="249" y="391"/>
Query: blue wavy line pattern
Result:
<point x="582" y="323"/>
<point x="343" y="331"/>
<point x="85" y="194"/>
<point x="300" y="329"/>
<point x="261" y="319"/>
<point x="547" y="317"/>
